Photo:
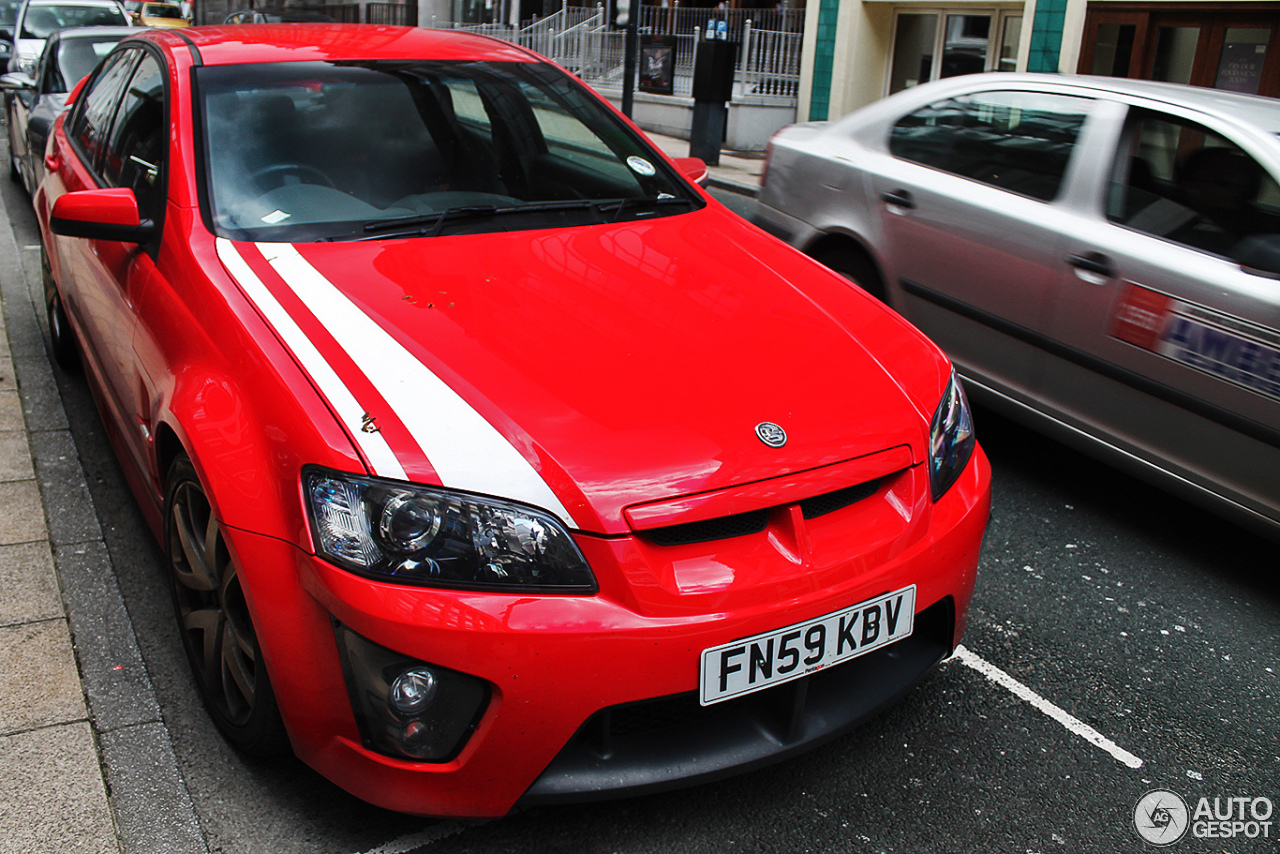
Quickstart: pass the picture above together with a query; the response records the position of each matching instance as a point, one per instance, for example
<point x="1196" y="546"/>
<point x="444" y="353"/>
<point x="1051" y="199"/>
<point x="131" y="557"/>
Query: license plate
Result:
<point x="755" y="663"/>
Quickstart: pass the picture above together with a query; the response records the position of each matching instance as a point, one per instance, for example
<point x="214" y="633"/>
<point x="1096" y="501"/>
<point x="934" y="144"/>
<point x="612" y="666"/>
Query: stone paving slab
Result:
<point x="29" y="584"/>
<point x="11" y="411"/>
<point x="39" y="684"/>
<point x="23" y="518"/>
<point x="52" y="798"/>
<point x="15" y="457"/>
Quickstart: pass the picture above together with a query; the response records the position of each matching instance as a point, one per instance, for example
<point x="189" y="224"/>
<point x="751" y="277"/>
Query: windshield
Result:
<point x="161" y="10"/>
<point x="8" y="13"/>
<point x="40" y="22"/>
<point x="76" y="58"/>
<point x="319" y="151"/>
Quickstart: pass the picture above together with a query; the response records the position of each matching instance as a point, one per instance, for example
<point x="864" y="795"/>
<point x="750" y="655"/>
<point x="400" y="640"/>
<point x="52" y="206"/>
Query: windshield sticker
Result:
<point x="1217" y="344"/>
<point x="641" y="166"/>
<point x="276" y="216"/>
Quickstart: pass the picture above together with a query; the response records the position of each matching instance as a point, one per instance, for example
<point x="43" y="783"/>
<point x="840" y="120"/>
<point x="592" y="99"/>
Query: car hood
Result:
<point x="624" y="364"/>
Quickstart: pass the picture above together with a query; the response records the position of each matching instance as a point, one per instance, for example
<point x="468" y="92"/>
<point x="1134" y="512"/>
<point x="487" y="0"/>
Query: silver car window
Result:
<point x="1182" y="182"/>
<point x="1018" y="141"/>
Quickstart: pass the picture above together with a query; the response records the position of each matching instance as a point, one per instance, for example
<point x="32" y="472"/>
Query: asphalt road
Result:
<point x="1124" y="627"/>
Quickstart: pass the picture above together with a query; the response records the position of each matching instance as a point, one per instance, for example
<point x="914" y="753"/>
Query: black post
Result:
<point x="713" y="68"/>
<point x="630" y="49"/>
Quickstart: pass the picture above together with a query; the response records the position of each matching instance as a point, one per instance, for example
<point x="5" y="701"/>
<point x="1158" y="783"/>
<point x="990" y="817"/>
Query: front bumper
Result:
<point x="564" y="671"/>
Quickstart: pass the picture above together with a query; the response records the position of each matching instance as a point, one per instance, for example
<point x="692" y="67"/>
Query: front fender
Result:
<point x="225" y="392"/>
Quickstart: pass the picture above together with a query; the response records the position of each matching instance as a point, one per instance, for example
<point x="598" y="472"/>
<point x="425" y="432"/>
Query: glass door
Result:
<point x="950" y="42"/>
<point x="1113" y="43"/>
<point x="1233" y="49"/>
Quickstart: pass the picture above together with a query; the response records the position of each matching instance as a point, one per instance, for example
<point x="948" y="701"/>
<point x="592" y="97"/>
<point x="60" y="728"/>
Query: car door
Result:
<point x="1167" y="319"/>
<point x="116" y="139"/>
<point x="967" y="213"/>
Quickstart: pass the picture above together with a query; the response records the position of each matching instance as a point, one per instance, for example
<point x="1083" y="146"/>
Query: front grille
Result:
<point x="821" y="505"/>
<point x="742" y="524"/>
<point x="712" y="529"/>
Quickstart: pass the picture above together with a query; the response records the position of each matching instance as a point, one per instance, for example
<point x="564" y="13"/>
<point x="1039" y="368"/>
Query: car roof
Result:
<point x="1230" y="106"/>
<point x="101" y="3"/>
<point x="92" y="32"/>
<point x="233" y="44"/>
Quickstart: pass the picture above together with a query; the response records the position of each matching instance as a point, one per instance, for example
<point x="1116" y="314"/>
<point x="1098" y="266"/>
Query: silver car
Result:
<point x="39" y="19"/>
<point x="33" y="101"/>
<point x="1100" y="257"/>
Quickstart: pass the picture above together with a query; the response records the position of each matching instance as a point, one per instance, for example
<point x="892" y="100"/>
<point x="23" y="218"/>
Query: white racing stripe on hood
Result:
<point x="465" y="450"/>
<point x="375" y="448"/>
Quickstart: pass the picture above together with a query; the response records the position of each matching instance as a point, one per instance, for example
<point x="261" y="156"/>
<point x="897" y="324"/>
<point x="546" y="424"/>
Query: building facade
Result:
<point x="858" y="51"/>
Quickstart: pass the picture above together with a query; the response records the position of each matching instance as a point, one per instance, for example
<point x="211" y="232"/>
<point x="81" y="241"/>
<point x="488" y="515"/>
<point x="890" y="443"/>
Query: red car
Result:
<point x="494" y="461"/>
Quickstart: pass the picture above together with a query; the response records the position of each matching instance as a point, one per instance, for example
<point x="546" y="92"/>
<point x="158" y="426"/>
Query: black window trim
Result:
<point x="141" y="49"/>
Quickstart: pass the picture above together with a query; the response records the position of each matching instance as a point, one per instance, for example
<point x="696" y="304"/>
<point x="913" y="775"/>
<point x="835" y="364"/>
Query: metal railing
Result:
<point x="393" y="14"/>
<point x="581" y="40"/>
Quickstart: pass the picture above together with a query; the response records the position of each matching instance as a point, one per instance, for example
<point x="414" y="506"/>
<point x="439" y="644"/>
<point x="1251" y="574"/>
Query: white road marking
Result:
<point x="423" y="838"/>
<point x="1073" y="724"/>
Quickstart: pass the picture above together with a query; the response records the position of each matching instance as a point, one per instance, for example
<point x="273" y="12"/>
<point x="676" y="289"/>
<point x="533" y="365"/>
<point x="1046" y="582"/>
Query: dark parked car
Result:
<point x="32" y="102"/>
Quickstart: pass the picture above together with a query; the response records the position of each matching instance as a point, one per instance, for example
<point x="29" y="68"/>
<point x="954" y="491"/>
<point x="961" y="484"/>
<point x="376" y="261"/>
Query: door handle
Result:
<point x="899" y="198"/>
<point x="51" y="163"/>
<point x="1093" y="262"/>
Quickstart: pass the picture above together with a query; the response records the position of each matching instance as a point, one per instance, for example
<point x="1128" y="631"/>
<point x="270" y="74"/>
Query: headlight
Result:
<point x="431" y="536"/>
<point x="950" y="438"/>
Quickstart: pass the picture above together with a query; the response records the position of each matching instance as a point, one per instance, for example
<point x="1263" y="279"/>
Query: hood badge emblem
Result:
<point x="771" y="434"/>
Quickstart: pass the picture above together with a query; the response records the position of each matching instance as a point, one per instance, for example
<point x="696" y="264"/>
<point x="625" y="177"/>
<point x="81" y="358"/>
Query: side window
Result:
<point x="572" y="146"/>
<point x="137" y="144"/>
<point x="91" y="119"/>
<point x="1017" y="141"/>
<point x="1182" y="182"/>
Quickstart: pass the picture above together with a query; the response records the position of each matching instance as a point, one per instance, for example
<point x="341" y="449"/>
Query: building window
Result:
<point x="1221" y="46"/>
<point x="949" y="42"/>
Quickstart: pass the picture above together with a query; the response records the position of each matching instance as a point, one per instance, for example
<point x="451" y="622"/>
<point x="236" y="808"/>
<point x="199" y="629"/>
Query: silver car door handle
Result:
<point x="1094" y="262"/>
<point x="899" y="198"/>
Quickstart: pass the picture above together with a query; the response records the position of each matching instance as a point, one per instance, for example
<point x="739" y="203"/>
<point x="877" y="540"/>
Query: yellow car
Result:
<point x="160" y="15"/>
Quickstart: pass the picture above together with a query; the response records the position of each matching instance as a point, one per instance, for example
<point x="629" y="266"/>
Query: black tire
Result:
<point x="213" y="618"/>
<point x="854" y="264"/>
<point x="15" y="173"/>
<point x="61" y="337"/>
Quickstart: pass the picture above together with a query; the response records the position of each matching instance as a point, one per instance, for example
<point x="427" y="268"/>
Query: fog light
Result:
<point x="407" y="708"/>
<point x="413" y="691"/>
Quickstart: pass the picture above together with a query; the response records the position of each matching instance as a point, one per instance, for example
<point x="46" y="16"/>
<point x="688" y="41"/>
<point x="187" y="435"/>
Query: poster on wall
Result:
<point x="658" y="64"/>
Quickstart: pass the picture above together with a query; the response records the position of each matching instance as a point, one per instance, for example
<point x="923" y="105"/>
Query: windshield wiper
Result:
<point x="642" y="202"/>
<point x="434" y="223"/>
<point x="431" y="224"/>
<point x="435" y="220"/>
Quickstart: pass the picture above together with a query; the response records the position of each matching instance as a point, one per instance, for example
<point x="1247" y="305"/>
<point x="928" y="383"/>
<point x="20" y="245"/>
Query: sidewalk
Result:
<point x="53" y="797"/>
<point x="86" y="762"/>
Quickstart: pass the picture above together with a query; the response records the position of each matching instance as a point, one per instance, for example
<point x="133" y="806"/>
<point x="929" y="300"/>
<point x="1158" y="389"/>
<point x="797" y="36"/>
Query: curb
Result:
<point x="731" y="186"/>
